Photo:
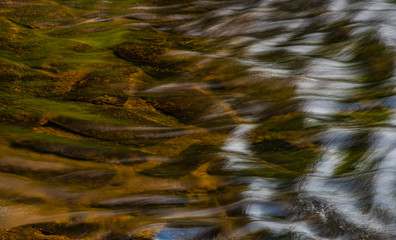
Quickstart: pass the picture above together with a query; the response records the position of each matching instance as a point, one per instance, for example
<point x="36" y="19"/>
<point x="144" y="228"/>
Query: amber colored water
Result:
<point x="255" y="119"/>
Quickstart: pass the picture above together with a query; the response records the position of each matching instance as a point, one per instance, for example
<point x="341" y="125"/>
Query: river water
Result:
<point x="256" y="119"/>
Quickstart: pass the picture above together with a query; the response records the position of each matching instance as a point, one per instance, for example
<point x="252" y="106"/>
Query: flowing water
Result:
<point x="255" y="119"/>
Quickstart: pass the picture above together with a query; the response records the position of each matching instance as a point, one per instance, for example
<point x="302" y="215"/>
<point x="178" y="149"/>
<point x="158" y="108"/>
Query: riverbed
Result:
<point x="174" y="120"/>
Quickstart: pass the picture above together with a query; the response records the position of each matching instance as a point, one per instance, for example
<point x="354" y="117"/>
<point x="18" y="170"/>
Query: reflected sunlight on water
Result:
<point x="255" y="119"/>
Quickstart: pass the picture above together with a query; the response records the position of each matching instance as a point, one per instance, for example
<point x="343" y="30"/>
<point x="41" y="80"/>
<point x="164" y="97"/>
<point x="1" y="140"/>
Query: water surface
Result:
<point x="190" y="119"/>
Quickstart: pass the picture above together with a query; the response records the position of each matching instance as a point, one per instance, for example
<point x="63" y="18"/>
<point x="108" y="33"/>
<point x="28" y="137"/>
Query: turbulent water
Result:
<point x="256" y="119"/>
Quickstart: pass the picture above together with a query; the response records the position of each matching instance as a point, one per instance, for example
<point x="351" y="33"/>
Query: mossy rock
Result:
<point x="149" y="57"/>
<point x="140" y="53"/>
<point x="194" y="106"/>
<point x="28" y="233"/>
<point x="188" y="160"/>
<point x="32" y="168"/>
<point x="66" y="147"/>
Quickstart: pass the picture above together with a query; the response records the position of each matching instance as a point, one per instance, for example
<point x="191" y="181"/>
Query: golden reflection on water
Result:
<point x="197" y="119"/>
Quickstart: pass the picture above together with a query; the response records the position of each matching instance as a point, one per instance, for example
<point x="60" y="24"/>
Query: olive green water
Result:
<point x="145" y="119"/>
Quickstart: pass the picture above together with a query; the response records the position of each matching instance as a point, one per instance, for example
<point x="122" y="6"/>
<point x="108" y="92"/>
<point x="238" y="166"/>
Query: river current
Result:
<point x="256" y="119"/>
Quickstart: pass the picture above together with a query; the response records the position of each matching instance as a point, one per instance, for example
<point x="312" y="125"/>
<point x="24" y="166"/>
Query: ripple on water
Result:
<point x="198" y="119"/>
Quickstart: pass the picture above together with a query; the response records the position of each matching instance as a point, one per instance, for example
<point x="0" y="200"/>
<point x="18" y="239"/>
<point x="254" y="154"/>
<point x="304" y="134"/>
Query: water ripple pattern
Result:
<point x="256" y="119"/>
